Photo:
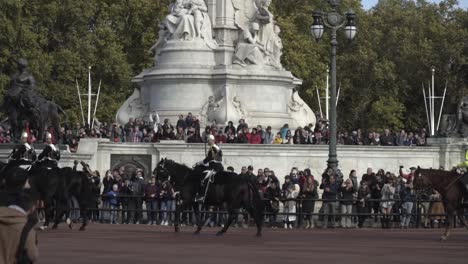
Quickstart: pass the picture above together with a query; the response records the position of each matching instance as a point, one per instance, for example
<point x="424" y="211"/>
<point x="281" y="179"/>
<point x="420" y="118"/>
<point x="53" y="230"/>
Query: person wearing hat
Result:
<point x="23" y="153"/>
<point x="409" y="176"/>
<point x="50" y="155"/>
<point x="212" y="164"/>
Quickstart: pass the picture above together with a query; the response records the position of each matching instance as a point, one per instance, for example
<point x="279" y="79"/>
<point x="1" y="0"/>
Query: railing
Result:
<point x="129" y="205"/>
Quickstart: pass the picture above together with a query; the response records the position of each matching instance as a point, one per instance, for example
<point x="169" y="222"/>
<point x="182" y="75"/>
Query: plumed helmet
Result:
<point x="24" y="134"/>
<point x="211" y="138"/>
<point x="48" y="135"/>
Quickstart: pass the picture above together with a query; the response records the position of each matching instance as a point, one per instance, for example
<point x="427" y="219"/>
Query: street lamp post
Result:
<point x="333" y="20"/>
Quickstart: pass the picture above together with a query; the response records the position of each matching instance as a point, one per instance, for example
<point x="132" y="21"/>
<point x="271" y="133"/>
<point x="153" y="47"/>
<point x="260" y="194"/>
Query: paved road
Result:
<point x="138" y="244"/>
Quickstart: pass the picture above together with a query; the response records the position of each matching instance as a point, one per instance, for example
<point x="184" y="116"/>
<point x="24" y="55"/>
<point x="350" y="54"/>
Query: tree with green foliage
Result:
<point x="380" y="72"/>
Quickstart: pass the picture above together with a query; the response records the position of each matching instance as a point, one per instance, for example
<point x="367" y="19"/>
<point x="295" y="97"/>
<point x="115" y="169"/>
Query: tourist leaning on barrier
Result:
<point x="346" y="203"/>
<point x="151" y="199"/>
<point x="290" y="193"/>
<point x="387" y="196"/>
<point x="273" y="195"/>
<point x="407" y="197"/>
<point x="363" y="205"/>
<point x="309" y="194"/>
<point x="113" y="200"/>
<point x="329" y="196"/>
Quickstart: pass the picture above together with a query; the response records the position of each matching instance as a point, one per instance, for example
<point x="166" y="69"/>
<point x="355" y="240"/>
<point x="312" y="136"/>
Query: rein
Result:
<point x="453" y="182"/>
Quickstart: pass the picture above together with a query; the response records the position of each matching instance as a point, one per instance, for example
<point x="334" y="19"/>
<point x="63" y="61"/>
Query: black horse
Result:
<point x="229" y="189"/>
<point x="55" y="187"/>
<point x="448" y="184"/>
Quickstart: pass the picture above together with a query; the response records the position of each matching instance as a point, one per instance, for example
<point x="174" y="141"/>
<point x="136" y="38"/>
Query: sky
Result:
<point x="370" y="3"/>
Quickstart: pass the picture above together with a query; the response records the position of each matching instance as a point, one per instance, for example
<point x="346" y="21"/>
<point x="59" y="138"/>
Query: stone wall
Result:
<point x="280" y="158"/>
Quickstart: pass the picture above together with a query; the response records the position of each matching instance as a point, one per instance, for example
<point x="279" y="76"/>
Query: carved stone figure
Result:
<point x="463" y="117"/>
<point x="23" y="103"/>
<point x="189" y="20"/>
<point x="249" y="50"/>
<point x="300" y="112"/>
<point x="239" y="107"/>
<point x="133" y="107"/>
<point x="455" y="125"/>
<point x="208" y="112"/>
<point x="262" y="44"/>
<point x="162" y="40"/>
<point x="448" y="126"/>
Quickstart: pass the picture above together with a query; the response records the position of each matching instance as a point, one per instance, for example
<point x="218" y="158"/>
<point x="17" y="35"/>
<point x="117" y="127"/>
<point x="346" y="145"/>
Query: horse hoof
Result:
<point x="220" y="233"/>
<point x="82" y="228"/>
<point x="177" y="230"/>
<point x="443" y="238"/>
<point x="43" y="228"/>
<point x="69" y="221"/>
<point x="54" y="227"/>
<point x="70" y="226"/>
<point x="258" y="235"/>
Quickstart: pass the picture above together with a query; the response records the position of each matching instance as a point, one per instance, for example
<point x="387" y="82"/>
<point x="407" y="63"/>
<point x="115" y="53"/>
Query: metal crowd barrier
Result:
<point x="218" y="213"/>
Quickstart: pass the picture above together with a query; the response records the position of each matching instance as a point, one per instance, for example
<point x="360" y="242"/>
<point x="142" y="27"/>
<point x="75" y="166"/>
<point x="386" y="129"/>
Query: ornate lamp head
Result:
<point x="317" y="27"/>
<point x="350" y="28"/>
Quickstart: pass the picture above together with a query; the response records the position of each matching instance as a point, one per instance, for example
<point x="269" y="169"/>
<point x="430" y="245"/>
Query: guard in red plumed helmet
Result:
<point x="212" y="164"/>
<point x="50" y="155"/>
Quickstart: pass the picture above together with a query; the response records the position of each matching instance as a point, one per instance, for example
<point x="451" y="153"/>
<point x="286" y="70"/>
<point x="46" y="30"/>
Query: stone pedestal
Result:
<point x="191" y="74"/>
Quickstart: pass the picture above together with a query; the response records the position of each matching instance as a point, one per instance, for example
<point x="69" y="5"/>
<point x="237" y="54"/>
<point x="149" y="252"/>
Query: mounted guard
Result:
<point x="23" y="155"/>
<point x="212" y="164"/>
<point x="50" y="155"/>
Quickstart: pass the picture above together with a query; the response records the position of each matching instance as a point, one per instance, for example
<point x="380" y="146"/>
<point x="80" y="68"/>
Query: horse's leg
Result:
<point x="62" y="209"/>
<point x="84" y="215"/>
<point x="258" y="217"/>
<point x="461" y="216"/>
<point x="177" y="214"/>
<point x="232" y="214"/>
<point x="450" y="215"/>
<point x="198" y="218"/>
<point x="48" y="212"/>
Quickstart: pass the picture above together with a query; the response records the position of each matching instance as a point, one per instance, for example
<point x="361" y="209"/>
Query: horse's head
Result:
<point x="162" y="171"/>
<point x="87" y="169"/>
<point x="421" y="179"/>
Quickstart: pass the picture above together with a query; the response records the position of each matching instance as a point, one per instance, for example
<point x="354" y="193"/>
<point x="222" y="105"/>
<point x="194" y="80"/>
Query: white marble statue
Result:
<point x="209" y="111"/>
<point x="133" y="107"/>
<point x="300" y="112"/>
<point x="259" y="42"/>
<point x="162" y="40"/>
<point x="189" y="20"/>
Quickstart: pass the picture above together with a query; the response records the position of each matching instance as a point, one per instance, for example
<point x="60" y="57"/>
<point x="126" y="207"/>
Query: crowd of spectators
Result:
<point x="188" y="129"/>
<point x="302" y="200"/>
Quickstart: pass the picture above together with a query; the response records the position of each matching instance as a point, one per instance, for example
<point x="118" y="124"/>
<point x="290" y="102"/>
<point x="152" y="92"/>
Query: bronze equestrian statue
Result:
<point x="22" y="102"/>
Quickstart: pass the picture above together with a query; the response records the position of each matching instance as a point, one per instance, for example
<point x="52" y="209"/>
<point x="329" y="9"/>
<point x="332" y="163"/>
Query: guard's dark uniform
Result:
<point x="214" y="159"/>
<point x="22" y="154"/>
<point x="50" y="156"/>
<point x="210" y="165"/>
